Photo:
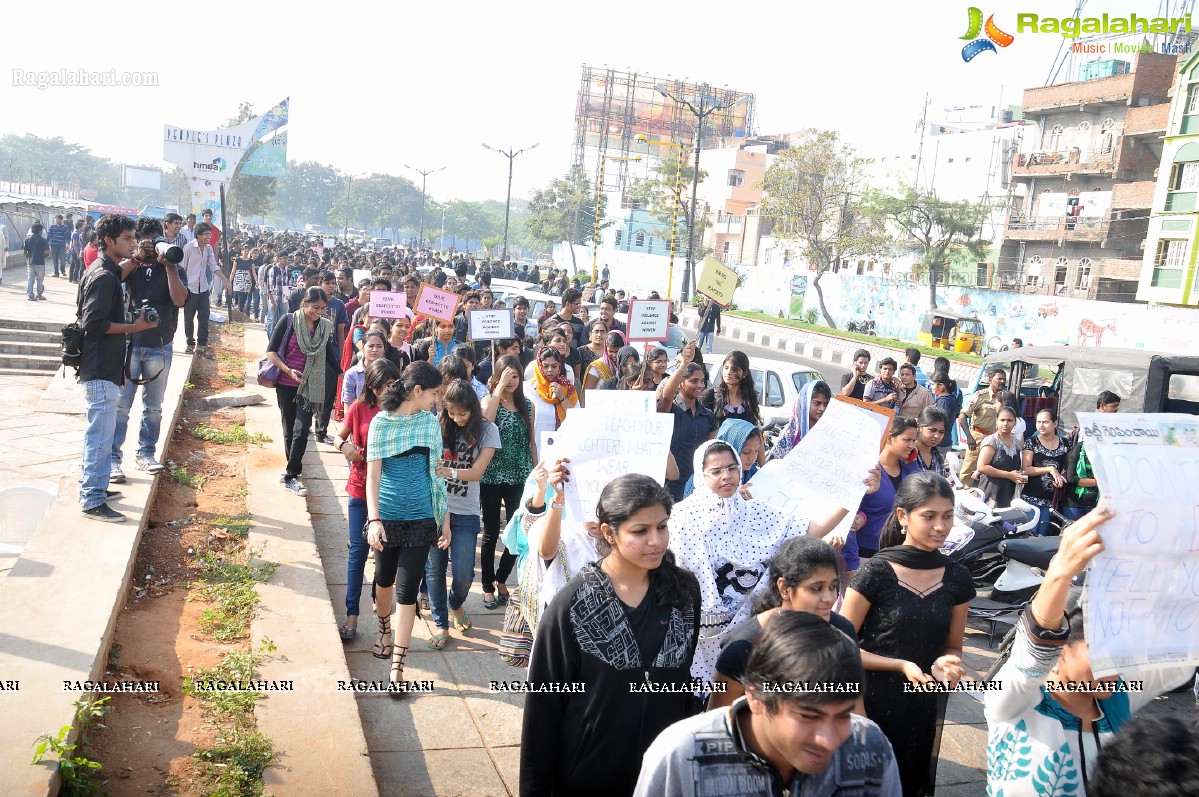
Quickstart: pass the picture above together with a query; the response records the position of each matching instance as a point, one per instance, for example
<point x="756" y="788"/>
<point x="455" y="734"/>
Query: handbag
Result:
<point x="268" y="372"/>
<point x="516" y="640"/>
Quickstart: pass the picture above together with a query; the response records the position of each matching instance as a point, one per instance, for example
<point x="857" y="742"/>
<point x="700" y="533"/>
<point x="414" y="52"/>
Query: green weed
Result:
<point x="234" y="435"/>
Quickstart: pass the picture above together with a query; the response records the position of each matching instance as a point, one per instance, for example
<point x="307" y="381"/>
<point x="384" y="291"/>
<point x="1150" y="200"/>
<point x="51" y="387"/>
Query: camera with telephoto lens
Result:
<point x="146" y="311"/>
<point x="168" y="251"/>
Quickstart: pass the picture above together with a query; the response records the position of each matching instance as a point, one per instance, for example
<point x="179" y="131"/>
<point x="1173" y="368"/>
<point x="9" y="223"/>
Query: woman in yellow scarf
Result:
<point x="552" y="392"/>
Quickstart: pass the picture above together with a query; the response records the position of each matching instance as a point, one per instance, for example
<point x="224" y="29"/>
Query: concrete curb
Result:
<point x="59" y="607"/>
<point x="320" y="746"/>
<point x="829" y="348"/>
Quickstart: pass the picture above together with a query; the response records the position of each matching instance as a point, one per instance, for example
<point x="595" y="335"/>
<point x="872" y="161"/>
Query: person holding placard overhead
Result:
<point x="1042" y="734"/>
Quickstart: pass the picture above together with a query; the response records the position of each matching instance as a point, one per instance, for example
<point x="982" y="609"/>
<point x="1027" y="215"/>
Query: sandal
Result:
<point x="501" y="597"/>
<point x="382" y="650"/>
<point x="490" y="603"/>
<point x="397" y="671"/>
<point x="461" y="624"/>
<point x="347" y="632"/>
<point x="438" y="640"/>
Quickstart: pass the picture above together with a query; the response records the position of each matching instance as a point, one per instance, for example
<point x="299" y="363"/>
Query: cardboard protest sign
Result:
<point x="361" y="274"/>
<point x="329" y="243"/>
<point x="717" y="281"/>
<point x="649" y="320"/>
<point x="1142" y="593"/>
<point x="436" y="303"/>
<point x="617" y="402"/>
<point x="602" y="446"/>
<point x="490" y="324"/>
<point x="830" y="462"/>
<point x="389" y="304"/>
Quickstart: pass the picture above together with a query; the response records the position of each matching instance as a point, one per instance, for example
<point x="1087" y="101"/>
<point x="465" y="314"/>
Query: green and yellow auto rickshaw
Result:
<point x="945" y="329"/>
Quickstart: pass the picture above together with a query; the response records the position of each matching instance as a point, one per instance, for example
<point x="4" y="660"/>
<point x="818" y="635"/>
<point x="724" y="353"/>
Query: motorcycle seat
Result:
<point x="1012" y="514"/>
<point x="1034" y="552"/>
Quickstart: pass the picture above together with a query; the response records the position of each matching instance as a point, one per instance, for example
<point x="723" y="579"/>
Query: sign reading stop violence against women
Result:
<point x="389" y="304"/>
<point x="436" y="303"/>
<point x="1141" y="597"/>
<point x="649" y="320"/>
<point x="489" y="324"/>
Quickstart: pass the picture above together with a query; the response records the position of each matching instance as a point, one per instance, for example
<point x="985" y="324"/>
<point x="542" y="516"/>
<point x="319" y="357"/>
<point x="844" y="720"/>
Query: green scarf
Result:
<point x="1083" y="471"/>
<point x="311" y="394"/>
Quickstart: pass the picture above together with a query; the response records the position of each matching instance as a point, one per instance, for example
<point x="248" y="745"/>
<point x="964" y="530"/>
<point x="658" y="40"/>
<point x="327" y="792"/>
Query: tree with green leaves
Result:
<point x="563" y="211"/>
<point x="249" y="195"/>
<point x="815" y="194"/>
<point x="30" y="158"/>
<point x="307" y="193"/>
<point x="656" y="194"/>
<point x="932" y="228"/>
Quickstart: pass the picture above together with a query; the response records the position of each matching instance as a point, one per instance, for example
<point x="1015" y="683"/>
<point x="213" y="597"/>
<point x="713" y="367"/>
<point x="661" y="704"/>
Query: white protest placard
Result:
<point x="649" y="320"/>
<point x="489" y="324"/>
<point x="617" y="402"/>
<point x="602" y="446"/>
<point x="389" y="304"/>
<point x="329" y="242"/>
<point x="436" y="303"/>
<point x="1142" y="593"/>
<point x="831" y="461"/>
<point x="361" y="274"/>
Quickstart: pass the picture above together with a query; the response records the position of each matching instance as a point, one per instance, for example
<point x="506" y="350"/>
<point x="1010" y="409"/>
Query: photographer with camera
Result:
<point x="102" y="362"/>
<point x="154" y="291"/>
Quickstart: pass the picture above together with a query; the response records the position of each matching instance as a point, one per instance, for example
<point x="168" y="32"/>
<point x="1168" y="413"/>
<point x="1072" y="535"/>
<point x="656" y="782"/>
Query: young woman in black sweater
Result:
<point x="631" y="618"/>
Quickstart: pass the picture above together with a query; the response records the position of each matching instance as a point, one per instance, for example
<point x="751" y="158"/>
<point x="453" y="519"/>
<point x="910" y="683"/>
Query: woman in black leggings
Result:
<point x="407" y="505"/>
<point x="504" y="479"/>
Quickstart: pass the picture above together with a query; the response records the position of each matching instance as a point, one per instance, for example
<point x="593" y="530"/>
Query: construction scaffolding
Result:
<point x="615" y="107"/>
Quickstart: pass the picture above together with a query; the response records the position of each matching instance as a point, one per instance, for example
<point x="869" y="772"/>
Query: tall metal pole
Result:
<point x="508" y="205"/>
<point x="687" y="266"/>
<point x="420" y="236"/>
<point x="599" y="194"/>
<point x="674" y="220"/>
<point x="345" y="232"/>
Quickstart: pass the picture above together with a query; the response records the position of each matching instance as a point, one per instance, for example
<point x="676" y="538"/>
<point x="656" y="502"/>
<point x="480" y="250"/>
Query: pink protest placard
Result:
<point x="435" y="303"/>
<point x="649" y="320"/>
<point x="389" y="304"/>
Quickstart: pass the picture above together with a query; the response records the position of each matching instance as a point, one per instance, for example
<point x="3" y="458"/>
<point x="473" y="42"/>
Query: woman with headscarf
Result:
<point x="627" y="359"/>
<point x="728" y="542"/>
<point x="551" y="391"/>
<point x="744" y="437"/>
<point x="813" y="400"/>
<point x="604" y="366"/>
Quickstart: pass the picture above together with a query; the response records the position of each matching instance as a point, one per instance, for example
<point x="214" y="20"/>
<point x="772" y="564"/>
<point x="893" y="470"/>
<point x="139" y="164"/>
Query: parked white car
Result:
<point x="777" y="382"/>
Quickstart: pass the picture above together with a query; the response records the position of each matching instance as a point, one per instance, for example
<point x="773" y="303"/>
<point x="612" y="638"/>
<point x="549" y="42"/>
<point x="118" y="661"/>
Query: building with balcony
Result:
<point x="1082" y="194"/>
<point x="1167" y="273"/>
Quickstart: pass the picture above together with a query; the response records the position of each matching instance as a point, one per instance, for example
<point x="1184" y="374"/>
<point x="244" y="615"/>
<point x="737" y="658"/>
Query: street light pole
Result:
<point x="345" y="233"/>
<point x="424" y="175"/>
<point x="675" y="205"/>
<point x="510" y="154"/>
<point x="599" y="195"/>
<point x="701" y="113"/>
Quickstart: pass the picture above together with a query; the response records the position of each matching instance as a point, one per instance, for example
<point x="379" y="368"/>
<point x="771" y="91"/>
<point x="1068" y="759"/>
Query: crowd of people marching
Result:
<point x="692" y="640"/>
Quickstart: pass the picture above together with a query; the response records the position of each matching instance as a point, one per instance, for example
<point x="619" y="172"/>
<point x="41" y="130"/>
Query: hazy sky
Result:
<point x="375" y="86"/>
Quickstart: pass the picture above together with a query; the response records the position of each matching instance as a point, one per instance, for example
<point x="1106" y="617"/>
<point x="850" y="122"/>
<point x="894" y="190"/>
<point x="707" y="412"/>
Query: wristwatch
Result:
<point x="559" y="505"/>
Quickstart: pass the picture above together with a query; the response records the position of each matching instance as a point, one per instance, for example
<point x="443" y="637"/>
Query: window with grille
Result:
<point x="1082" y="279"/>
<point x="640" y="239"/>
<point x="736" y="178"/>
<point x="1193" y="99"/>
<point x="1184" y="177"/>
<point x="1169" y="262"/>
<point x="619" y="235"/>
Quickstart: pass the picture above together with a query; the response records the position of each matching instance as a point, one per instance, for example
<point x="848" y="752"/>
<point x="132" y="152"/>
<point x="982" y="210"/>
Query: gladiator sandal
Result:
<point x="383" y="649"/>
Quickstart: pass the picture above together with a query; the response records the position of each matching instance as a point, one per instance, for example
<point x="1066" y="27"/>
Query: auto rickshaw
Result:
<point x="945" y="329"/>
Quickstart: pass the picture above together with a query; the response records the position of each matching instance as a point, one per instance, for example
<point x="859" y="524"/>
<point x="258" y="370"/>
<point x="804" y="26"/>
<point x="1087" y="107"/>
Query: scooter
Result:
<point x="1027" y="561"/>
<point x="980" y="530"/>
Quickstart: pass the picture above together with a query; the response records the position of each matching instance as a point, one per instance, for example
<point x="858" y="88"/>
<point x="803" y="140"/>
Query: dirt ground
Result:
<point x="150" y="739"/>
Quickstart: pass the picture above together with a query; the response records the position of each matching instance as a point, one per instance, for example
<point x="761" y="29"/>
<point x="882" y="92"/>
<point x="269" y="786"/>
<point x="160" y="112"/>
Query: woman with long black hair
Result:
<point x="407" y="505"/>
<point x="908" y="604"/>
<point x="504" y="480"/>
<point x="733" y="395"/>
<point x="302" y="349"/>
<point x="631" y="618"/>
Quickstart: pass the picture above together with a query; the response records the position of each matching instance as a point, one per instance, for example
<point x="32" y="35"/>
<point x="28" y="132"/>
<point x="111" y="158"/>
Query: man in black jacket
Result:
<point x="36" y="247"/>
<point x="162" y="285"/>
<point x="102" y="372"/>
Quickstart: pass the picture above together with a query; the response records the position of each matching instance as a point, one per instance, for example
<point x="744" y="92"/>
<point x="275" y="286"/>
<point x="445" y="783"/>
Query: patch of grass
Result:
<point x="181" y="476"/>
<point x="232" y="360"/>
<point x="234" y="767"/>
<point x="188" y="385"/>
<point x="236" y="525"/>
<point x="227" y="582"/>
<point x="235" y="328"/>
<point x="893" y="343"/>
<point x="77" y="771"/>
<point x="234" y="379"/>
<point x="114" y="657"/>
<point x="235" y="435"/>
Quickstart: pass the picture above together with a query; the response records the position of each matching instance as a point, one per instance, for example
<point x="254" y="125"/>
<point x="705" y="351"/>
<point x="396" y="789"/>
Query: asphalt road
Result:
<point x="831" y="373"/>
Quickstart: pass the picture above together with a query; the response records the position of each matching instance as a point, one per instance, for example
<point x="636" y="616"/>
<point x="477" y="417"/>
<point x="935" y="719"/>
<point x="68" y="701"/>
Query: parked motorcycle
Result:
<point x="862" y="327"/>
<point x="980" y="531"/>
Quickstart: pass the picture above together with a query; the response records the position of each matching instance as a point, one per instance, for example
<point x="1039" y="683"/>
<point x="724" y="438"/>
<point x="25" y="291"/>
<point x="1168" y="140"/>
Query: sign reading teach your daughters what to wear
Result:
<point x="1142" y="593"/>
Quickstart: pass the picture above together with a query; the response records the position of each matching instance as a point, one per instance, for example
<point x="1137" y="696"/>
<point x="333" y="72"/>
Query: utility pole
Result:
<point x="510" y="154"/>
<point x="424" y="175"/>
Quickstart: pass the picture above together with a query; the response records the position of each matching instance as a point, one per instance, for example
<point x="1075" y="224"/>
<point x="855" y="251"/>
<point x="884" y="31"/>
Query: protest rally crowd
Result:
<point x="725" y="646"/>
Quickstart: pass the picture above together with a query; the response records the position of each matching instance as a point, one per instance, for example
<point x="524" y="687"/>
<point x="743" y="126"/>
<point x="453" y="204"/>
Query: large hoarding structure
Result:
<point x="615" y="106"/>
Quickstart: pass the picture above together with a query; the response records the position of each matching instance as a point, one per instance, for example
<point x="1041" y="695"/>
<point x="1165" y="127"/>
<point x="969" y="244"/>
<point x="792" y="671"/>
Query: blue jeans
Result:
<point x="1042" y="520"/>
<point x="272" y="317"/>
<point x="359" y="552"/>
<point x="58" y="255"/>
<point x="145" y="361"/>
<point x="1074" y="512"/>
<point x="704" y="342"/>
<point x="255" y="298"/>
<point x="101" y="397"/>
<point x="37" y="274"/>
<point x="464" y="535"/>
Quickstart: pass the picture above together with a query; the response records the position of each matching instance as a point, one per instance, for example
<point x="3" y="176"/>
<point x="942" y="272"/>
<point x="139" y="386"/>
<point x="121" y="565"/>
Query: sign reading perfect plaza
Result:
<point x="1072" y="27"/>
